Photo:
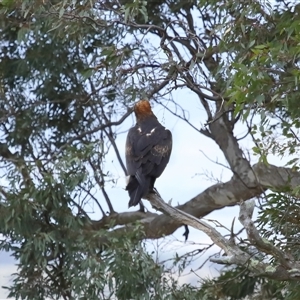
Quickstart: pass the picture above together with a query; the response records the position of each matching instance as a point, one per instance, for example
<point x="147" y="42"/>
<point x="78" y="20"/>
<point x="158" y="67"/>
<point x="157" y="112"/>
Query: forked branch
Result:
<point x="234" y="254"/>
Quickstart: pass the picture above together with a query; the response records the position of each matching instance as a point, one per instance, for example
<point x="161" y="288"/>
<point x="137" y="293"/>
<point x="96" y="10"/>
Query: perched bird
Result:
<point x="148" y="150"/>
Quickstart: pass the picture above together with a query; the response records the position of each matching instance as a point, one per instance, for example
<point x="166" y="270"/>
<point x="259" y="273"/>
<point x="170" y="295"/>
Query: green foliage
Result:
<point x="77" y="267"/>
<point x="279" y="223"/>
<point x="279" y="220"/>
<point x="239" y="283"/>
<point x="264" y="71"/>
<point x="68" y="70"/>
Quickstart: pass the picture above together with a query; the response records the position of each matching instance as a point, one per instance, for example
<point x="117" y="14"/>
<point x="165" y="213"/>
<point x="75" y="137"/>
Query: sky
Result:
<point x="188" y="173"/>
<point x="182" y="179"/>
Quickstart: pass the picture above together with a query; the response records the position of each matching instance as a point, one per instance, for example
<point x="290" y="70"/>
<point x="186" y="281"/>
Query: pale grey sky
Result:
<point x="179" y="181"/>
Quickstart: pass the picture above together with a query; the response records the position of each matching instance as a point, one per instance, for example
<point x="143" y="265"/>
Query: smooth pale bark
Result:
<point x="288" y="269"/>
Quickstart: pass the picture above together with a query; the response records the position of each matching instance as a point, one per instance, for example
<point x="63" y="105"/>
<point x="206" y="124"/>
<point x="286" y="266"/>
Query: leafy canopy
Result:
<point x="69" y="70"/>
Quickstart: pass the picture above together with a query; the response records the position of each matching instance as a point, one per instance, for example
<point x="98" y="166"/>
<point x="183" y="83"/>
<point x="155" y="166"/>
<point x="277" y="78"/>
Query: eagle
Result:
<point x="148" y="150"/>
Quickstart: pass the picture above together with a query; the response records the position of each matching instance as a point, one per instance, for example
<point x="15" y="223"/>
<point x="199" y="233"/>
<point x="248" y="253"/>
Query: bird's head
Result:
<point x="142" y="109"/>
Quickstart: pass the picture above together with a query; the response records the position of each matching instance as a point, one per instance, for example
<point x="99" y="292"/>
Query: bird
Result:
<point x="147" y="153"/>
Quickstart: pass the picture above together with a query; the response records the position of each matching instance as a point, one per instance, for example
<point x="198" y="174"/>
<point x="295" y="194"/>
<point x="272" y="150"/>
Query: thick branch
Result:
<point x="222" y="134"/>
<point x="120" y="219"/>
<point x="234" y="254"/>
<point x="184" y="218"/>
<point x="220" y="195"/>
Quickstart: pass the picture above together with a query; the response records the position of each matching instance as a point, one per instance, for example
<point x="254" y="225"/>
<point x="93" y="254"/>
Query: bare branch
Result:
<point x="183" y="218"/>
<point x="221" y="195"/>
<point x="18" y="161"/>
<point x="96" y="129"/>
<point x="234" y="254"/>
<point x="119" y="219"/>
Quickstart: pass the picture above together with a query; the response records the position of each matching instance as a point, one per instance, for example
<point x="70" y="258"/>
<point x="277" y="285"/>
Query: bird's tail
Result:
<point x="137" y="187"/>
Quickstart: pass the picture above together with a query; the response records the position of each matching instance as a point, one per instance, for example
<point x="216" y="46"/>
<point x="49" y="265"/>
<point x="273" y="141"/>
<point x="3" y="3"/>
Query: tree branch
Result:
<point x="215" y="197"/>
<point x="235" y="255"/>
<point x="263" y="245"/>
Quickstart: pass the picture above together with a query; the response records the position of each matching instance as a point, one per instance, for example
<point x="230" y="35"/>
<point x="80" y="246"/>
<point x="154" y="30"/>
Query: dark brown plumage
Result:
<point x="148" y="150"/>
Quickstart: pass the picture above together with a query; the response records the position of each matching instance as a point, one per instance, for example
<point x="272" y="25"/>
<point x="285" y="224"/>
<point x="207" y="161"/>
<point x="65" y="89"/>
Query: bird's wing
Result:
<point x="160" y="153"/>
<point x="149" y="150"/>
<point x="132" y="163"/>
